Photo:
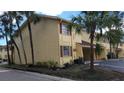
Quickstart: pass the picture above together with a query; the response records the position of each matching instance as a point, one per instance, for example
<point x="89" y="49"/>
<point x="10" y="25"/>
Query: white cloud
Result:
<point x="51" y="12"/>
<point x="1" y="12"/>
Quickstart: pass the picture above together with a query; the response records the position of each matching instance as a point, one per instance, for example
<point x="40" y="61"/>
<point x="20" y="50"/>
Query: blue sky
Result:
<point x="2" y="42"/>
<point x="63" y="14"/>
<point x="68" y="14"/>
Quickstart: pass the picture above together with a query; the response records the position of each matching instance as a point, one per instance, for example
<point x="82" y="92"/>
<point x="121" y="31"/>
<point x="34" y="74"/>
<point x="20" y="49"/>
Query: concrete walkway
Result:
<point x="18" y="75"/>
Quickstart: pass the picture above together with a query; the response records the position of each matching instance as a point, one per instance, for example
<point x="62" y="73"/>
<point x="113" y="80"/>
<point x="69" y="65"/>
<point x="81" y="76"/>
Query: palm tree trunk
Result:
<point x="20" y="33"/>
<point x="110" y="50"/>
<point x="9" y="61"/>
<point x="13" y="41"/>
<point x="117" y="50"/>
<point x="92" y="52"/>
<point x="31" y="41"/>
<point x="11" y="53"/>
<point x="17" y="50"/>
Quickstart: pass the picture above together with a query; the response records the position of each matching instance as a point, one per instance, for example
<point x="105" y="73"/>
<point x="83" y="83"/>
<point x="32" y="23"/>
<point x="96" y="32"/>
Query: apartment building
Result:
<point x="53" y="41"/>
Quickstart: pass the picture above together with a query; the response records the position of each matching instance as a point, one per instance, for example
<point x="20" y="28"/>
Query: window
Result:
<point x="64" y="29"/>
<point x="66" y="51"/>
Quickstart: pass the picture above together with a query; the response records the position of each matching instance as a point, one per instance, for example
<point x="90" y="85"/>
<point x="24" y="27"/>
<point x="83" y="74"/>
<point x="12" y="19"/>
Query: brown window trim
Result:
<point x="60" y="28"/>
<point x="69" y="33"/>
<point x="70" y="50"/>
<point x="62" y="51"/>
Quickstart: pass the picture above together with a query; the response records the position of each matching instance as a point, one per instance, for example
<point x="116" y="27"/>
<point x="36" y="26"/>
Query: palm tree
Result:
<point x="19" y="18"/>
<point x="118" y="40"/>
<point x="11" y="36"/>
<point x="31" y="17"/>
<point x="6" y="38"/>
<point x="8" y="33"/>
<point x="114" y="33"/>
<point x="4" y="20"/>
<point x="90" y="20"/>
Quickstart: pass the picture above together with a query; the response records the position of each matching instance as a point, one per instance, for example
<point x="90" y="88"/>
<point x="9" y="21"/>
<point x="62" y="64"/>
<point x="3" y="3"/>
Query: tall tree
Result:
<point x="91" y="21"/>
<point x="7" y="31"/>
<point x="113" y="32"/>
<point x="31" y="17"/>
<point x="18" y="18"/>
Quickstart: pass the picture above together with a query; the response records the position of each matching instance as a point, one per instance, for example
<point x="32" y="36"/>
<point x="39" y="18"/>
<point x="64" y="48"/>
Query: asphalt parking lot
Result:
<point x="115" y="65"/>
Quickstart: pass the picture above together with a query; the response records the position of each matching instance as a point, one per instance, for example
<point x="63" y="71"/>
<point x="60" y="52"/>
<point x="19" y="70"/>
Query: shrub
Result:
<point x="48" y="64"/>
<point x="66" y="65"/>
<point x="30" y="65"/>
<point x="80" y="60"/>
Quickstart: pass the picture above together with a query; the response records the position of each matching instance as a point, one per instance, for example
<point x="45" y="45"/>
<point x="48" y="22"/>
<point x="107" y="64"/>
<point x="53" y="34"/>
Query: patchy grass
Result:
<point x="75" y="72"/>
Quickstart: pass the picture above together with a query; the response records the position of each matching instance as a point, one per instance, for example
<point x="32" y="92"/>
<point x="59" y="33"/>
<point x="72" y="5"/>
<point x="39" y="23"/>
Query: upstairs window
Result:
<point x="64" y="29"/>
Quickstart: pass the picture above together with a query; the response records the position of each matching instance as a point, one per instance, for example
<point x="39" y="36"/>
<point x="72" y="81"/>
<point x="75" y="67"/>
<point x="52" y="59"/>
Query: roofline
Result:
<point x="43" y="16"/>
<point x="55" y="17"/>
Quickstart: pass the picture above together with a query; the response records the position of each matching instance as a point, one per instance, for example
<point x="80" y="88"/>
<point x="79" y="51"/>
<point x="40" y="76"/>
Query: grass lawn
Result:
<point x="76" y="72"/>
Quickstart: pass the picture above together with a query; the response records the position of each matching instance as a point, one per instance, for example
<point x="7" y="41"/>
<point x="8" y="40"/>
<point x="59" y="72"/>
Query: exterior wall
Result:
<point x="105" y="50"/>
<point x="77" y="37"/>
<point x="45" y="42"/>
<point x="103" y="54"/>
<point x="85" y="36"/>
<point x="74" y="51"/>
<point x="79" y="51"/>
<point x="121" y="52"/>
<point x="66" y="40"/>
<point x="3" y="53"/>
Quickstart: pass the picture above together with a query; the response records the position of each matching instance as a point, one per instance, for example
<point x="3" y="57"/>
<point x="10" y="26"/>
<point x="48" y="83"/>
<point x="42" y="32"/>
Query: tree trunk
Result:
<point x="117" y="51"/>
<point x="20" y="33"/>
<point x="110" y="50"/>
<point x="92" y="52"/>
<point x="11" y="48"/>
<point x="12" y="54"/>
<point x="17" y="51"/>
<point x="9" y="61"/>
<point x="31" y="41"/>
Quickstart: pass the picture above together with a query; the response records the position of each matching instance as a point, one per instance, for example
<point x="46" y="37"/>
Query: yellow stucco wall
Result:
<point x="45" y="41"/>
<point x="3" y="53"/>
<point x="121" y="52"/>
<point x="66" y="40"/>
<point x="79" y="51"/>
